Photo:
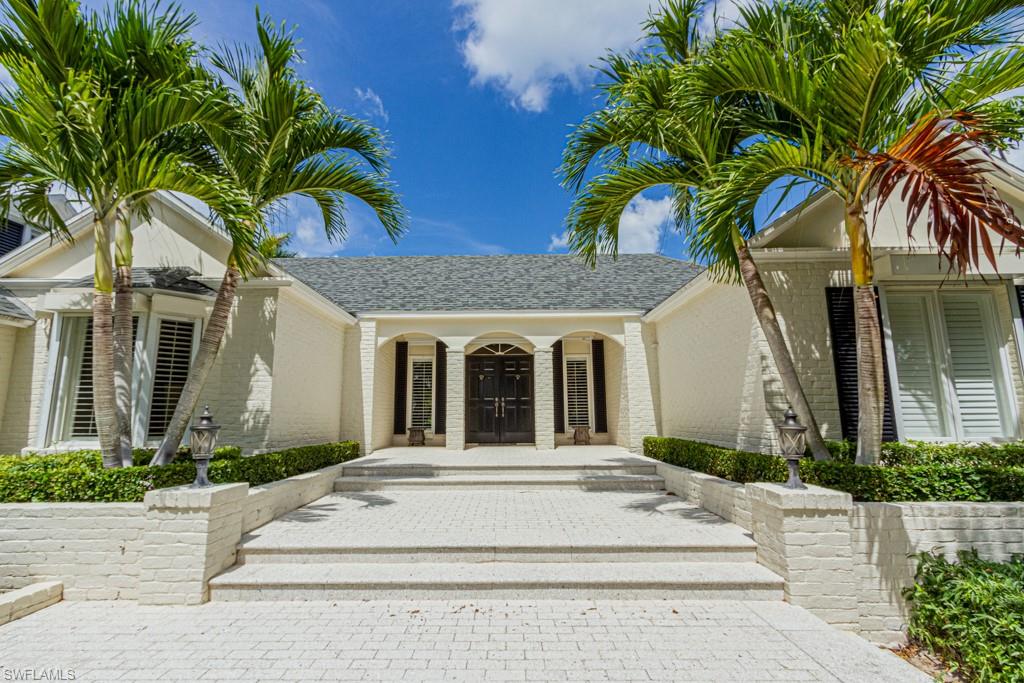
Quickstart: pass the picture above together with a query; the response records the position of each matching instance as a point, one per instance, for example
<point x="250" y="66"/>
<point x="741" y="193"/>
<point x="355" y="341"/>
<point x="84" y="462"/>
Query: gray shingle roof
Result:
<point x="505" y="282"/>
<point x="12" y="307"/>
<point x="168" y="279"/>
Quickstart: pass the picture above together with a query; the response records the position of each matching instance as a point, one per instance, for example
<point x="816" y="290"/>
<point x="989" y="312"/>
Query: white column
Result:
<point x="543" y="398"/>
<point x="455" y="427"/>
<point x="642" y="421"/>
<point x="367" y="363"/>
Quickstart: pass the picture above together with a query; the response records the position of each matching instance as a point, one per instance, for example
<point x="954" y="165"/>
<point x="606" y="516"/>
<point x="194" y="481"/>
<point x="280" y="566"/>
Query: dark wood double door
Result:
<point x="499" y="399"/>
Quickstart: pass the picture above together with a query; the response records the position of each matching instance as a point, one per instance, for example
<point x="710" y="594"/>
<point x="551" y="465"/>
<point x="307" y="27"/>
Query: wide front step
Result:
<point x="738" y="552"/>
<point x="504" y="469"/>
<point x="572" y="479"/>
<point x="498" y="580"/>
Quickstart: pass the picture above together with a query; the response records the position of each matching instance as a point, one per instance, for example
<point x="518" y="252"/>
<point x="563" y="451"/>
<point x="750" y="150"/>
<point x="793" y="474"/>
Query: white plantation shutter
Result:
<point x="973" y="367"/>
<point x="173" y="359"/>
<point x="422" y="394"/>
<point x="577" y="403"/>
<point x="921" y="405"/>
<point x="83" y="420"/>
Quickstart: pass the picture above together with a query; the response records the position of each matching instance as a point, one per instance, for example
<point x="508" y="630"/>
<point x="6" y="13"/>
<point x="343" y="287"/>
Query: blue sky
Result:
<point x="477" y="97"/>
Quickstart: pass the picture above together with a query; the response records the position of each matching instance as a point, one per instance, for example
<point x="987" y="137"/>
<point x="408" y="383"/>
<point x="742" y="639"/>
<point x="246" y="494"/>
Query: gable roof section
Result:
<point x="12" y="307"/>
<point x="516" y="282"/>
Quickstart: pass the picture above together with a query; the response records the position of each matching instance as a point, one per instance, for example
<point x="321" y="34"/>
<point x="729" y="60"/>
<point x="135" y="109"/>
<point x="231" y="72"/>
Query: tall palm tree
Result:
<point x="293" y="144"/>
<point x="648" y="135"/>
<point x="885" y="94"/>
<point x="108" y="106"/>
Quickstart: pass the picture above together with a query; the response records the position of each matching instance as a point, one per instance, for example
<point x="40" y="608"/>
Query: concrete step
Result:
<point x="396" y="554"/>
<point x="498" y="580"/>
<point x="424" y="470"/>
<point x="596" y="481"/>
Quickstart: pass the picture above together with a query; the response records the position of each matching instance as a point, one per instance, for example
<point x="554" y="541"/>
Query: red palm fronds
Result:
<point x="944" y="171"/>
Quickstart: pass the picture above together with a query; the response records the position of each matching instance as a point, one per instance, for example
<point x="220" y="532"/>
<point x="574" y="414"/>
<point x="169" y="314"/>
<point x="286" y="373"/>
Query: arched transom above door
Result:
<point x="499" y="349"/>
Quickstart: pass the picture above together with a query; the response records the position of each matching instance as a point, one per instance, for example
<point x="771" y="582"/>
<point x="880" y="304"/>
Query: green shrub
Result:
<point x="897" y="453"/>
<point x="872" y="483"/>
<point x="80" y="476"/>
<point x="972" y="614"/>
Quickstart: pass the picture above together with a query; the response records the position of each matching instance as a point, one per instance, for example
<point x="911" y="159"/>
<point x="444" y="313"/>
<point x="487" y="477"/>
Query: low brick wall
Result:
<point x="886" y="536"/>
<point x="813" y="549"/>
<point x="93" y="548"/>
<point x="725" y="498"/>
<point x="270" y="501"/>
<point x="100" y="551"/>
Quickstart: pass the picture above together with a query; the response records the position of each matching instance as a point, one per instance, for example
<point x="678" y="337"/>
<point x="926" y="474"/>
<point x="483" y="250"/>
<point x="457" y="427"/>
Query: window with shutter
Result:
<point x="422" y="392"/>
<point x="170" y="371"/>
<point x="81" y="416"/>
<point x="973" y="367"/>
<point x="950" y="374"/>
<point x="83" y="420"/>
<point x="577" y="396"/>
<point x="922" y="413"/>
<point x="12" y="234"/>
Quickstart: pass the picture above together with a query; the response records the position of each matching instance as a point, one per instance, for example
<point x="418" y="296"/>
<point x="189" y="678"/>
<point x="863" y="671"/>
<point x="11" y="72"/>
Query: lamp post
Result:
<point x="203" y="442"/>
<point x="794" y="444"/>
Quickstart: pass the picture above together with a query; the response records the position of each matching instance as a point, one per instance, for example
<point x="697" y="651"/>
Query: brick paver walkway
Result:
<point x="475" y="641"/>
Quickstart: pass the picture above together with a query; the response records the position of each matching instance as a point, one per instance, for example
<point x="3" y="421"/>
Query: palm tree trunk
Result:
<point x="209" y="346"/>
<point x="104" y="405"/>
<point x="769" y="321"/>
<point x="123" y="337"/>
<point x="870" y="365"/>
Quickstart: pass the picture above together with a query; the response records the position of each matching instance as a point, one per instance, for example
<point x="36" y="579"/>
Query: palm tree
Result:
<point x="883" y="94"/>
<point x="293" y="144"/>
<point x="648" y="136"/>
<point x="108" y="106"/>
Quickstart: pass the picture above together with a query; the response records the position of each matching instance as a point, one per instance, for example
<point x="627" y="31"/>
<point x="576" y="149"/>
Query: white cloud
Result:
<point x="372" y="103"/>
<point x="529" y="47"/>
<point x="641" y="227"/>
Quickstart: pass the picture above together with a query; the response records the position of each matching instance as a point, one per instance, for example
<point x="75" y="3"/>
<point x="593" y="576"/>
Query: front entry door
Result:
<point x="499" y="399"/>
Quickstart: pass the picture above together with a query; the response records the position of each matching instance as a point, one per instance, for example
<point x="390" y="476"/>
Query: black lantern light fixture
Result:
<point x="793" y="440"/>
<point x="203" y="442"/>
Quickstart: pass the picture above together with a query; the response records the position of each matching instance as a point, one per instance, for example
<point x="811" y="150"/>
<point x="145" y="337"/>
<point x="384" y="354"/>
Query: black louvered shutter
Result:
<point x="401" y="372"/>
<point x="600" y="407"/>
<point x="843" y="327"/>
<point x="1020" y="298"/>
<point x="559" y="381"/>
<point x="440" y="387"/>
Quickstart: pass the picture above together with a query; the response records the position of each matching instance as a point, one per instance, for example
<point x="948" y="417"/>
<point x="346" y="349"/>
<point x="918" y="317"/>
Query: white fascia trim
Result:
<point x="10" y="321"/>
<point x="691" y="289"/>
<point x="34" y="282"/>
<point x="561" y="313"/>
<point x="77" y="225"/>
<point x="805" y="254"/>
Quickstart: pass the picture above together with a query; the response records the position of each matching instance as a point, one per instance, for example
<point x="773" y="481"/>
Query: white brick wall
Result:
<point x="352" y="387"/>
<point x="308" y="353"/>
<point x="616" y="402"/>
<point x="455" y="411"/>
<point x="384" y="396"/>
<point x="94" y="548"/>
<point x="887" y="535"/>
<point x="25" y="385"/>
<point x="8" y="335"/>
<point x="239" y="390"/>
<point x="642" y="420"/>
<point x="543" y="398"/>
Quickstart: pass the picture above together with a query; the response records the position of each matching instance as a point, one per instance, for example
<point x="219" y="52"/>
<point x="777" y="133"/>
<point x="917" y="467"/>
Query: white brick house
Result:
<point x="508" y="349"/>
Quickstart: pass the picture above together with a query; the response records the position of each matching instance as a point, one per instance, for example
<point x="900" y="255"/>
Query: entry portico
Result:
<point x="519" y="349"/>
<point x="505" y="377"/>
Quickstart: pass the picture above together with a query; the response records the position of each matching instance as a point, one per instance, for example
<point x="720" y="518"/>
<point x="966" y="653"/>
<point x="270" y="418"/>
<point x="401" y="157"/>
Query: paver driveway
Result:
<point x="452" y="640"/>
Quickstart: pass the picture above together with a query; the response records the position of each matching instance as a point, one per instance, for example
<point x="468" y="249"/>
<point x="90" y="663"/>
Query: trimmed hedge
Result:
<point x="868" y="483"/>
<point x="971" y="613"/>
<point x="897" y="453"/>
<point x="80" y="476"/>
